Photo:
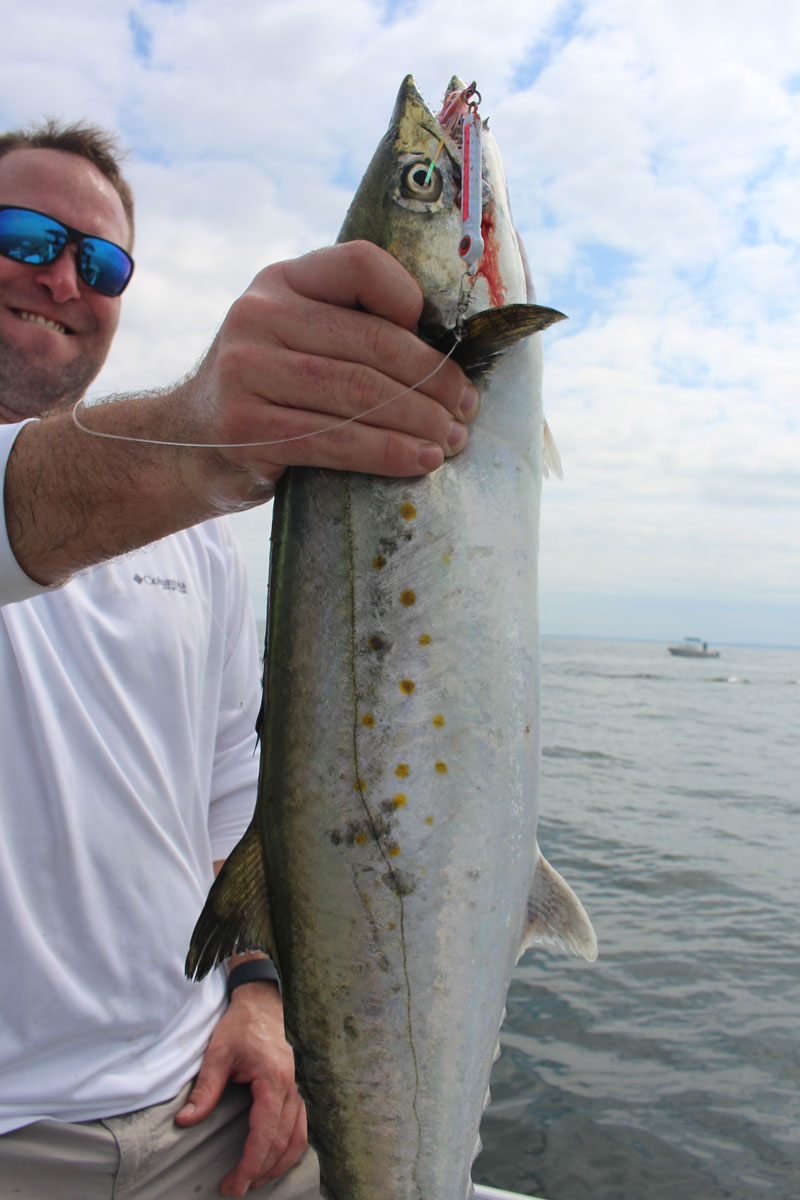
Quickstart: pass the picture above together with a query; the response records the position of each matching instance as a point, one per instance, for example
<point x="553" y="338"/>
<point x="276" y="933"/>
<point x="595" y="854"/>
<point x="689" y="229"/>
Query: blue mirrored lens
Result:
<point x="104" y="266"/>
<point x="30" y="237"/>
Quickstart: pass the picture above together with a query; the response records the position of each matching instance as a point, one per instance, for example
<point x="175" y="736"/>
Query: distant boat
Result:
<point x="693" y="648"/>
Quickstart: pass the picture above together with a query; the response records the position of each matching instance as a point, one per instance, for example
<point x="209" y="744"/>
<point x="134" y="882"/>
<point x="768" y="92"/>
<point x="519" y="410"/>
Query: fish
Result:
<point x="392" y="869"/>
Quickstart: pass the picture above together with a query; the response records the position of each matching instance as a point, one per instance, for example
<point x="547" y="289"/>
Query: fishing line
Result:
<point x="297" y="437"/>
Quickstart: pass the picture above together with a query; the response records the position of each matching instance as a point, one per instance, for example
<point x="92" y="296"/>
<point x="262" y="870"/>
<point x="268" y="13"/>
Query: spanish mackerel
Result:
<point x="392" y="869"/>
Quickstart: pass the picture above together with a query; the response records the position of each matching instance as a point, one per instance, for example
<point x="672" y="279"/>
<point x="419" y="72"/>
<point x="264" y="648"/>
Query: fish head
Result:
<point x="413" y="210"/>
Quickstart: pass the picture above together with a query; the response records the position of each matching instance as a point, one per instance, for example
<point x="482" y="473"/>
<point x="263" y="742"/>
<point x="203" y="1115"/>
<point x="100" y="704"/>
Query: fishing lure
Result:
<point x="463" y="106"/>
<point x="471" y="246"/>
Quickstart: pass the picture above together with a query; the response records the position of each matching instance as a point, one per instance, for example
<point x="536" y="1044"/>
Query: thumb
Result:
<point x="208" y="1087"/>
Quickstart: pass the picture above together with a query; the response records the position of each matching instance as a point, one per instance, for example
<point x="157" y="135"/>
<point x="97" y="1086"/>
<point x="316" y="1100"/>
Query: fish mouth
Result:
<point x="447" y="131"/>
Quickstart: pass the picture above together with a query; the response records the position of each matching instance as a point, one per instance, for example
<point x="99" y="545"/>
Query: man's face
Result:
<point x="44" y="365"/>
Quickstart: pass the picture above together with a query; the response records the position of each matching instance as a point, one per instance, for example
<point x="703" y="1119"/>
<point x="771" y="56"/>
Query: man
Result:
<point x="130" y="687"/>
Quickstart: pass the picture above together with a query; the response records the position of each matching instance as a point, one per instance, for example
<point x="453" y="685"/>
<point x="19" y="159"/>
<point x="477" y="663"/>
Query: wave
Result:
<point x="572" y="752"/>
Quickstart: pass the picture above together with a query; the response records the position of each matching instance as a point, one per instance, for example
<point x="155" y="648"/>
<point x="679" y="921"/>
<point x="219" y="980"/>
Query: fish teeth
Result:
<point x="38" y="319"/>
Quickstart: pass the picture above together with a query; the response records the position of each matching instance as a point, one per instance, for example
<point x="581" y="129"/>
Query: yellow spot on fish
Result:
<point x="408" y="512"/>
<point x="399" y="800"/>
<point x="368" y="720"/>
<point x="401" y="770"/>
<point x="361" y="839"/>
<point x="438" y="720"/>
<point x="425" y="639"/>
<point x="408" y="597"/>
<point x="407" y="686"/>
<point x="359" y="785"/>
<point x="379" y="562"/>
<point x="446" y="559"/>
<point x="394" y="851"/>
<point x="441" y="768"/>
<point x="429" y="820"/>
<point x="391" y="925"/>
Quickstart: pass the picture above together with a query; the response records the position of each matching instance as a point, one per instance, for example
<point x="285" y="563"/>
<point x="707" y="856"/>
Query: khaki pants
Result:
<point x="142" y="1155"/>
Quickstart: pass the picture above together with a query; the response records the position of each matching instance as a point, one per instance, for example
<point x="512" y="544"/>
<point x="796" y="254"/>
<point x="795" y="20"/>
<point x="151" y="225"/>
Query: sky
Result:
<point x="652" y="152"/>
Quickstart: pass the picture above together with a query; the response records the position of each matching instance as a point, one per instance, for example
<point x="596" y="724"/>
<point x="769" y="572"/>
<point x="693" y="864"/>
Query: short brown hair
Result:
<point x="89" y="141"/>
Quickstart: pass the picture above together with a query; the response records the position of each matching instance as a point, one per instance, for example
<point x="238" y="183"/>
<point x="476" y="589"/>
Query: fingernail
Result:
<point x="246" y="1188"/>
<point x="188" y="1110"/>
<point x="470" y="402"/>
<point x="429" y="456"/>
<point x="457" y="437"/>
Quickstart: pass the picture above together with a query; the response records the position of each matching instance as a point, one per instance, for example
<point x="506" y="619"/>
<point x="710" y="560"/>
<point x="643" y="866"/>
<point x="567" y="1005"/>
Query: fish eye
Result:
<point x="415" y="184"/>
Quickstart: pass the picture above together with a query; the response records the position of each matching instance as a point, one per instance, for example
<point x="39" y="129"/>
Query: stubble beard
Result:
<point x="31" y="387"/>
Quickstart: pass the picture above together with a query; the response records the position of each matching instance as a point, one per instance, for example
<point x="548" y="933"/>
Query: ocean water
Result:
<point x="669" y="1068"/>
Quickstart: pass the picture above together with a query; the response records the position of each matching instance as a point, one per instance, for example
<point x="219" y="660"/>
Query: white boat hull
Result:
<point x="488" y="1193"/>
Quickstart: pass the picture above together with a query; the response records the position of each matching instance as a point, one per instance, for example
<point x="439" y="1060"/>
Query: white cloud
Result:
<point x="652" y="152"/>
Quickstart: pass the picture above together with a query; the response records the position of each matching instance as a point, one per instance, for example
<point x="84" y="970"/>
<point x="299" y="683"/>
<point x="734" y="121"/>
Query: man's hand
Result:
<point x="248" y="1046"/>
<point x="312" y="353"/>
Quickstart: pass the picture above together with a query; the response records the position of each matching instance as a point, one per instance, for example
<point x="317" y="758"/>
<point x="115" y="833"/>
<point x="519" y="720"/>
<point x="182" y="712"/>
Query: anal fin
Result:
<point x="555" y="914"/>
<point x="236" y="914"/>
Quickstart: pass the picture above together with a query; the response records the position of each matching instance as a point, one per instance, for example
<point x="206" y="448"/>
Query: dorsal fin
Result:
<point x="236" y="915"/>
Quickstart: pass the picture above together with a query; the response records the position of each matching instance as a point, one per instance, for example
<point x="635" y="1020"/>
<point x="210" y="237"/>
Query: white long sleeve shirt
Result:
<point x="127" y="766"/>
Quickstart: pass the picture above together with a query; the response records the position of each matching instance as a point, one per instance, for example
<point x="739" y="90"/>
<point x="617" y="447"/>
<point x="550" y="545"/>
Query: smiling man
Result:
<point x="130" y="687"/>
<point x="68" y="327"/>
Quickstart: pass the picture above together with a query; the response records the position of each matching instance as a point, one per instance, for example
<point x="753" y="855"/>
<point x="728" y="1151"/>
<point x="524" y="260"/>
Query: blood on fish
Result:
<point x="489" y="264"/>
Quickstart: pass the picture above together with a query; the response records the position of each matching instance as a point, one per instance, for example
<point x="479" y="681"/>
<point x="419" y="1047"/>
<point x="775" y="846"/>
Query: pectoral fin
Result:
<point x="489" y="333"/>
<point x="236" y="915"/>
<point x="555" y="914"/>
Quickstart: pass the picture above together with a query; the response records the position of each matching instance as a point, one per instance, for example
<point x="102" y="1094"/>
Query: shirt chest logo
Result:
<point x="167" y="585"/>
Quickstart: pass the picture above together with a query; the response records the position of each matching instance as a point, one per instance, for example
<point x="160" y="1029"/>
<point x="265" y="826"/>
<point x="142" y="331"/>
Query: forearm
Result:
<point x="72" y="500"/>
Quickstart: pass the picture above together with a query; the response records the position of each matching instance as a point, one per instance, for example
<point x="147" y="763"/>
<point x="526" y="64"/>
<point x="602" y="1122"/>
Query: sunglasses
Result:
<point x="29" y="236"/>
